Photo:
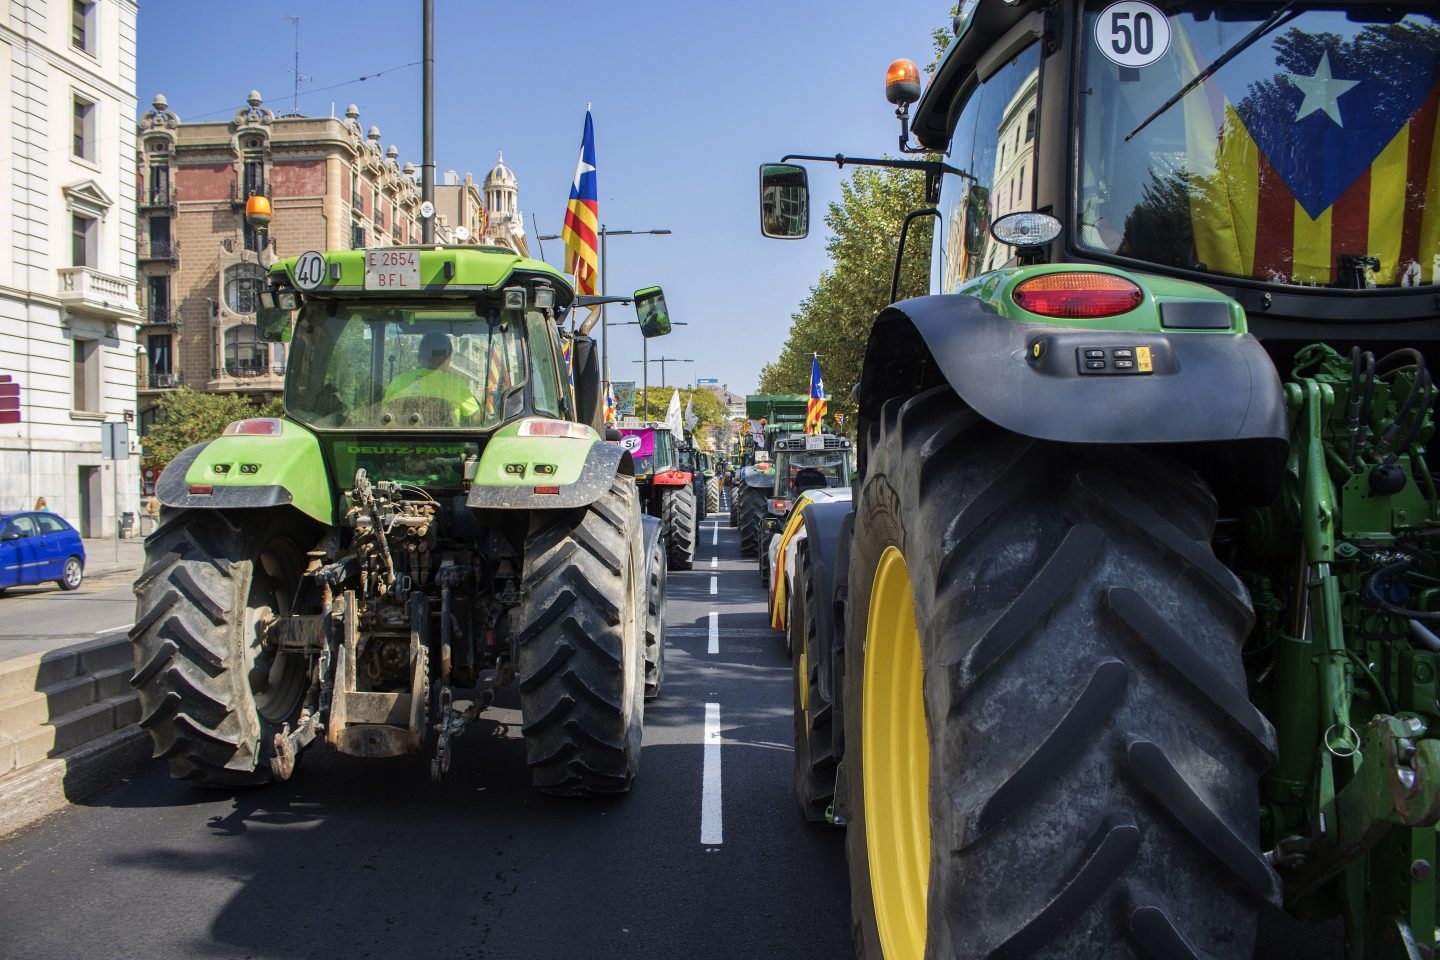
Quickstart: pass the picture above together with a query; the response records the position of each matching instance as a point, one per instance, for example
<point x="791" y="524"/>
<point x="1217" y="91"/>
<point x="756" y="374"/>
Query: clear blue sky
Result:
<point x="688" y="99"/>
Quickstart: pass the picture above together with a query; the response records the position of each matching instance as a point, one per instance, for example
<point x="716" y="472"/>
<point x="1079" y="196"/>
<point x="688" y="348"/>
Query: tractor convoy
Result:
<point x="1130" y="631"/>
<point x="437" y="514"/>
<point x="1128" y="628"/>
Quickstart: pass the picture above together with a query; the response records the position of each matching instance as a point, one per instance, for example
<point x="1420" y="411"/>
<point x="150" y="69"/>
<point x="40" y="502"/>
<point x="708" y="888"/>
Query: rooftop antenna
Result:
<point x="295" y="104"/>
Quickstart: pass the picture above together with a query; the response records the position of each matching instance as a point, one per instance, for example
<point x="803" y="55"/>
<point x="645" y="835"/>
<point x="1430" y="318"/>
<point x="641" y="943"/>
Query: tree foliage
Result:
<point x="834" y="320"/>
<point x="710" y="412"/>
<point x="185" y="417"/>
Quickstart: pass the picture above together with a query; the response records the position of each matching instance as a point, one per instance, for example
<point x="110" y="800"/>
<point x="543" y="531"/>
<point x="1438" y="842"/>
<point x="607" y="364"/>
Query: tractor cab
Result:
<point x="1283" y="154"/>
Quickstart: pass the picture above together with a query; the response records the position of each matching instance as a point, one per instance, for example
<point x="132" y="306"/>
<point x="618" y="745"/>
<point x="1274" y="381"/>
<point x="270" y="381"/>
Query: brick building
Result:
<point x="67" y="257"/>
<point x="331" y="185"/>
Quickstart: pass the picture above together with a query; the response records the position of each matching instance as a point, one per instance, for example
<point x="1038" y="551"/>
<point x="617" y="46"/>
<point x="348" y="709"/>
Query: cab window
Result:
<point x="995" y="140"/>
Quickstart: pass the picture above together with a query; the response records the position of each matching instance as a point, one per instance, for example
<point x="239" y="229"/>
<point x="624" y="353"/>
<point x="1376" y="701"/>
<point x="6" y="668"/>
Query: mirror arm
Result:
<point x="900" y="252"/>
<point x="933" y="167"/>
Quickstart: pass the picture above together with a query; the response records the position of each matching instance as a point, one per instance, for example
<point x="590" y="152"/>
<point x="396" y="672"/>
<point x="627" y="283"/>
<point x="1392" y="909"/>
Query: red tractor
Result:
<point x="667" y="489"/>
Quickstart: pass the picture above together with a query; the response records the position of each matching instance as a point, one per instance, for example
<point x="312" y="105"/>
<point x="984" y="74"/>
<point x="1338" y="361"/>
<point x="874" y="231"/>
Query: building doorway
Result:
<point x="92" y="504"/>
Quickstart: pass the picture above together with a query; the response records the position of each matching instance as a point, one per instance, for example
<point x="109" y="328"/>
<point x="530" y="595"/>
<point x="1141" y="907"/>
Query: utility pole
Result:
<point x="427" y="159"/>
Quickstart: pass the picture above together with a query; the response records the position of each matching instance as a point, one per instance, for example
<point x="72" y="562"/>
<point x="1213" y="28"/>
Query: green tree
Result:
<point x="186" y="417"/>
<point x="834" y="320"/>
<point x="709" y="411"/>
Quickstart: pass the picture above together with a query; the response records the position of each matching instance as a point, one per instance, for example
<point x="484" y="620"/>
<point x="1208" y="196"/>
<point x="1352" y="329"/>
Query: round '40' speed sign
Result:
<point x="309" y="270"/>
<point x="1132" y="33"/>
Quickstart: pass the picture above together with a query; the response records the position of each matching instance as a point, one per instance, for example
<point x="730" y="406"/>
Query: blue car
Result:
<point x="37" y="546"/>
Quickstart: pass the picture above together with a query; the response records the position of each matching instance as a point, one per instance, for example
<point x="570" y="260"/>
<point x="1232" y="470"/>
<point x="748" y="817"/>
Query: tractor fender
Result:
<point x="1216" y="390"/>
<point x="825" y="527"/>
<point x="246" y="471"/>
<point x="545" y="473"/>
<point x="759" y="481"/>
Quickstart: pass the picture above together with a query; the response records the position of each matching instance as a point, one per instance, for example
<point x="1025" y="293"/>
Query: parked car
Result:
<point x="37" y="546"/>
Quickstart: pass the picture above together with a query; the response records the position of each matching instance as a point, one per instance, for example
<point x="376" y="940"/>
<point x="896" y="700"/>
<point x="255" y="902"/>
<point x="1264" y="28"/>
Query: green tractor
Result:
<point x="1134" y="628"/>
<point x="437" y="514"/>
<point x="802" y="461"/>
<point x="666" y="487"/>
<point x="773" y="416"/>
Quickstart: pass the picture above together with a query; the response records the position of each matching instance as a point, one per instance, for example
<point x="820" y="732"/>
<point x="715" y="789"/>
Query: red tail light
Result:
<point x="1078" y="296"/>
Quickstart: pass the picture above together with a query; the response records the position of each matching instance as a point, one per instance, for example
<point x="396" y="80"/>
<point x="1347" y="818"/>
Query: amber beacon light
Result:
<point x="902" y="82"/>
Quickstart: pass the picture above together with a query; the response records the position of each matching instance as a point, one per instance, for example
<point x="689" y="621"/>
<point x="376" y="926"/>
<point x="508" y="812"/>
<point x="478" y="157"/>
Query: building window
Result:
<point x="160" y="236"/>
<point x="84" y="146"/>
<point x="85" y="373"/>
<point x="243" y="283"/>
<point x="158" y="306"/>
<point x="160" y="183"/>
<point x="159" y="349"/>
<point x="254" y="178"/>
<point x="252" y="236"/>
<point x="245" y="355"/>
<point x="1030" y="126"/>
<point x="357" y="237"/>
<point x="82" y="26"/>
<point x="83" y="232"/>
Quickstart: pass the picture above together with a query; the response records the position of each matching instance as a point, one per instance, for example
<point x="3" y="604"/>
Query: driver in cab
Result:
<point x="433" y="377"/>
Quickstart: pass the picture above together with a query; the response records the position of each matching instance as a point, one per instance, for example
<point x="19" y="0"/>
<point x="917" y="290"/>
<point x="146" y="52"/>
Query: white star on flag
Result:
<point x="582" y="168"/>
<point x="1322" y="91"/>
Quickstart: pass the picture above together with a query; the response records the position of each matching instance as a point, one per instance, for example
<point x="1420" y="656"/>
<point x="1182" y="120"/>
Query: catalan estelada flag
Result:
<point x="582" y="217"/>
<point x="610" y="413"/>
<point x="1331" y="150"/>
<point x="815" y="412"/>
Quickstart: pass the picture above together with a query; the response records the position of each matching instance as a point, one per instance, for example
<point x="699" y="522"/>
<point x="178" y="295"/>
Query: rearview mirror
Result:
<point x="784" y="201"/>
<point x="650" y="309"/>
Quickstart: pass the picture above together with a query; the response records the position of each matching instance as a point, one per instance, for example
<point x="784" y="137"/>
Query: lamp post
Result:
<point x="662" y="361"/>
<point x="604" y="260"/>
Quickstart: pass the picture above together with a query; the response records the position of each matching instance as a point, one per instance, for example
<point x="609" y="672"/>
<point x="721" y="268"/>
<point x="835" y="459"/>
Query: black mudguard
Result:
<point x="827" y="534"/>
<point x="1216" y="391"/>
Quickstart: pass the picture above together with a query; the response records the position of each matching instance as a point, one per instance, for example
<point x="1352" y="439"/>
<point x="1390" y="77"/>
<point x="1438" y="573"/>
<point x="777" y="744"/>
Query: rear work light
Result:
<point x="1078" y="296"/>
<point x="257" y="427"/>
<point x="536" y="427"/>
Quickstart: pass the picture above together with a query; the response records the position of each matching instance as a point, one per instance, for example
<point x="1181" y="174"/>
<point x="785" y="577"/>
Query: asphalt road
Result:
<point x="354" y="858"/>
<point x="44" y="617"/>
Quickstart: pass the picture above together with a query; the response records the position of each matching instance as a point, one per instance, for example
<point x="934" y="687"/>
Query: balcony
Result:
<point x="162" y="314"/>
<point x="157" y="198"/>
<point x="87" y="290"/>
<point x="162" y="380"/>
<point x="150" y="250"/>
<point x="242" y="370"/>
<point x="239" y="193"/>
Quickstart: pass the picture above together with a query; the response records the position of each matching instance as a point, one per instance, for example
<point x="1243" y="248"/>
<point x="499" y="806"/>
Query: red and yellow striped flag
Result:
<point x="582" y="218"/>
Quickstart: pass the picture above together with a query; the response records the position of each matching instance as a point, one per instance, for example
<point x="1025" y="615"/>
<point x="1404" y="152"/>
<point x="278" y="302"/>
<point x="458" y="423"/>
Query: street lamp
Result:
<point x="604" y="260"/>
<point x="662" y="361"/>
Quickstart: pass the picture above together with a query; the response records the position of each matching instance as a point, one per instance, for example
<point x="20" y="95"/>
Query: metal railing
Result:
<point x="165" y="313"/>
<point x="158" y="198"/>
<point x="151" y="249"/>
<point x="162" y="380"/>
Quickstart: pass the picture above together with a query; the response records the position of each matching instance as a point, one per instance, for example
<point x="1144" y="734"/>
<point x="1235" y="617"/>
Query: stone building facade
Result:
<point x="68" y="318"/>
<point x="331" y="184"/>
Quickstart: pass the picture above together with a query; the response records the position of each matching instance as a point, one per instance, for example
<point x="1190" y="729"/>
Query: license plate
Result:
<point x="815" y="441"/>
<point x="392" y="269"/>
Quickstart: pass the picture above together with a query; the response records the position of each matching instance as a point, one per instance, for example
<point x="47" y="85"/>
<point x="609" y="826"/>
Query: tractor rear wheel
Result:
<point x="211" y="696"/>
<point x="655" y="618"/>
<point x="682" y="529"/>
<point x="751" y="519"/>
<point x="814" y="743"/>
<point x="1048" y="742"/>
<point x="712" y="495"/>
<point x="582" y="646"/>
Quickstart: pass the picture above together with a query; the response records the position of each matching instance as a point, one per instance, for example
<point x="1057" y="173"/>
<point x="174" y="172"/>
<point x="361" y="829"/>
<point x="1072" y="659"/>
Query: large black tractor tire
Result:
<point x="712" y="495"/>
<point x="701" y="504"/>
<point x="1049" y="750"/>
<point x="656" y="581"/>
<point x="752" y="519"/>
<point x="734" y="495"/>
<point x="815" y="758"/>
<point x="210" y="696"/>
<point x="582" y="646"/>
<point x="682" y="529"/>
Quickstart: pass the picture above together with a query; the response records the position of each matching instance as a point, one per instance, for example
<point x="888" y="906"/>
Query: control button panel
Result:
<point x="1114" y="360"/>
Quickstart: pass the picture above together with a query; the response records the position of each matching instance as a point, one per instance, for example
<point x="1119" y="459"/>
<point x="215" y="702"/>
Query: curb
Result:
<point x="44" y="788"/>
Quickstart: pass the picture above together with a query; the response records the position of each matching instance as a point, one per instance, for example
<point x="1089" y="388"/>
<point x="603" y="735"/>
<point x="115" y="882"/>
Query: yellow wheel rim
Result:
<point x="896" y="763"/>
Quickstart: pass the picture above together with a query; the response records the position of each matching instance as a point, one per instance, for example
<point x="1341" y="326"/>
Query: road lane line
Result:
<point x="101" y="633"/>
<point x="714" y="631"/>
<point x="714" y="562"/>
<point x="714" y="582"/>
<point x="715" y="533"/>
<point x="712" y="832"/>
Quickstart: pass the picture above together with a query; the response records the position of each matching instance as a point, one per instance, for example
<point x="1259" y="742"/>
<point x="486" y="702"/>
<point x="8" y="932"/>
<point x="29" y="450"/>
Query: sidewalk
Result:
<point x="100" y="556"/>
